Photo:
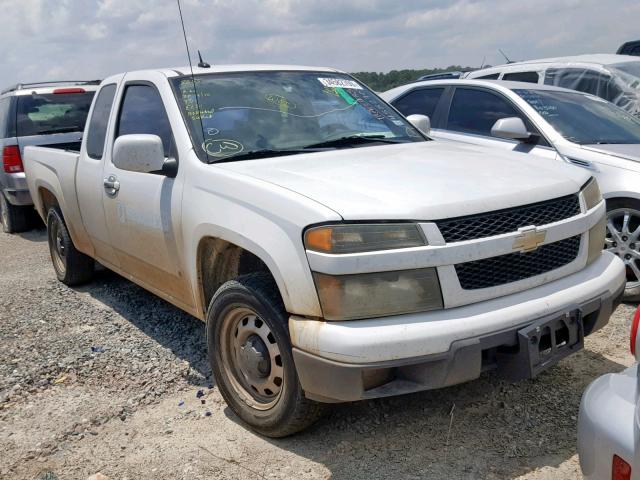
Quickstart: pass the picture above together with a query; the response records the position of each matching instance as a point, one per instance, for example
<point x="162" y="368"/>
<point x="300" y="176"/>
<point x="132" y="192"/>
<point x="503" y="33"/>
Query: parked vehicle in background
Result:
<point x="441" y="76"/>
<point x="335" y="252"/>
<point x="609" y="422"/>
<point x="630" y="48"/>
<point x="550" y="122"/>
<point x="615" y="78"/>
<point x="48" y="113"/>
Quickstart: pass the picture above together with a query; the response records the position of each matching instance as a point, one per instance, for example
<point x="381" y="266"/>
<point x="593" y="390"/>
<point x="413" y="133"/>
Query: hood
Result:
<point x="628" y="151"/>
<point x="417" y="181"/>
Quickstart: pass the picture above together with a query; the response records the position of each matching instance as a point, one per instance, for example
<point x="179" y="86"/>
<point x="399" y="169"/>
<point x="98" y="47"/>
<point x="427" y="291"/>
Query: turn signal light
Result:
<point x="11" y="159"/>
<point x="620" y="469"/>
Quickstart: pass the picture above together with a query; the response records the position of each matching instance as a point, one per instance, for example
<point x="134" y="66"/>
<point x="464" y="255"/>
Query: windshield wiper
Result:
<point x="354" y="140"/>
<point x="265" y="153"/>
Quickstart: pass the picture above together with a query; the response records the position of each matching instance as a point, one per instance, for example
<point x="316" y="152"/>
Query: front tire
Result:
<point x="623" y="239"/>
<point x="14" y="219"/>
<point x="251" y="358"/>
<point x="71" y="266"/>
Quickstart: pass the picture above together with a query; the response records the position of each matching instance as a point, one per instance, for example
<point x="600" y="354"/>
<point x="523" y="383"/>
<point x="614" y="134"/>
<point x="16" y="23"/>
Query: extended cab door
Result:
<point x="89" y="188"/>
<point x="143" y="210"/>
<point x="472" y="113"/>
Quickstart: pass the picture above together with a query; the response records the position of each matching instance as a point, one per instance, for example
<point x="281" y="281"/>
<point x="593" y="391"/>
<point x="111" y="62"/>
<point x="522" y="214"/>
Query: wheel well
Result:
<point x="618" y="202"/>
<point x="220" y="261"/>
<point x="48" y="200"/>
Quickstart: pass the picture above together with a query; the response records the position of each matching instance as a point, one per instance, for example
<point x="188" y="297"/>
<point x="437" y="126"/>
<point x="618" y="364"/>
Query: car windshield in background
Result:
<point x="246" y="113"/>
<point x="583" y="119"/>
<point x="44" y="114"/>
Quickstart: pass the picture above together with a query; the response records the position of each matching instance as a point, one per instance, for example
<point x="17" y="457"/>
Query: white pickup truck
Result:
<point x="335" y="252"/>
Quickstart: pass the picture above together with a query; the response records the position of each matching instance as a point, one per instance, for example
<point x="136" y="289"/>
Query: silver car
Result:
<point x="550" y="122"/>
<point x="48" y="114"/>
<point x="609" y="422"/>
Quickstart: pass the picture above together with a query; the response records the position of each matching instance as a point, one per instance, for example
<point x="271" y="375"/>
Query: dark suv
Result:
<point x="48" y="114"/>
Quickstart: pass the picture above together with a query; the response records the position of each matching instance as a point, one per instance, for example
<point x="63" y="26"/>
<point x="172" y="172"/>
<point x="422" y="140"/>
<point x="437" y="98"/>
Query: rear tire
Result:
<point x="71" y="266"/>
<point x="623" y="239"/>
<point x="14" y="219"/>
<point x="251" y="358"/>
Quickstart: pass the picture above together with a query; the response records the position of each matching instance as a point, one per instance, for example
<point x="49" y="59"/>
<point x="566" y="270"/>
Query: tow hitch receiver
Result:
<point x="543" y="344"/>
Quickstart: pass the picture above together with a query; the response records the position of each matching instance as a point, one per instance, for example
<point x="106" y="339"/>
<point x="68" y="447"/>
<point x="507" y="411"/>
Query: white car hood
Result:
<point x="416" y="181"/>
<point x="622" y="150"/>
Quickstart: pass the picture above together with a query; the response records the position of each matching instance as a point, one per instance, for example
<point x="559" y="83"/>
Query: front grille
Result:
<point x="512" y="267"/>
<point x="509" y="220"/>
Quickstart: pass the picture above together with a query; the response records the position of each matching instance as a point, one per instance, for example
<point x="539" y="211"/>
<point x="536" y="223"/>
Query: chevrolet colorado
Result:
<point x="335" y="252"/>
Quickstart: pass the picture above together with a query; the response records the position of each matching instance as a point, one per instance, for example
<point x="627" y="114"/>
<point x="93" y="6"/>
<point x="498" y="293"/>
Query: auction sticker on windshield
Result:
<point x="339" y="83"/>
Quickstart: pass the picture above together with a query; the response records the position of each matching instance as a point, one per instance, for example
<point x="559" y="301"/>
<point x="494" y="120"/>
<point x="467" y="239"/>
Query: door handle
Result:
<point x="111" y="185"/>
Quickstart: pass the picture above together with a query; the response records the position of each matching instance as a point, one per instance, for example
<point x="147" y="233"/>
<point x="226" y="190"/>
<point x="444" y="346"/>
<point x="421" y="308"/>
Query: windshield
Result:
<point x="284" y="111"/>
<point x="583" y="119"/>
<point x="44" y="114"/>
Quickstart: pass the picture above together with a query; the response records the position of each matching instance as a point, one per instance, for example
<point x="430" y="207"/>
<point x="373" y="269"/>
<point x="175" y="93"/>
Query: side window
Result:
<point x="142" y="111"/>
<point x="491" y="76"/>
<point x="475" y="111"/>
<point x="581" y="79"/>
<point x="530" y="77"/>
<point x="5" y="105"/>
<point x="423" y="102"/>
<point x="97" y="131"/>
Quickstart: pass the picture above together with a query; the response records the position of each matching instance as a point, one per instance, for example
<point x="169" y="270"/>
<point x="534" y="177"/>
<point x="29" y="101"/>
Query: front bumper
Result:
<point x="607" y="424"/>
<point x="352" y="360"/>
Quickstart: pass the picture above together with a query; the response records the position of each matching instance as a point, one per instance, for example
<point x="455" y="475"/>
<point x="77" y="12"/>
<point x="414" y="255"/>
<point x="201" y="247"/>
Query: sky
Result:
<point x="91" y="39"/>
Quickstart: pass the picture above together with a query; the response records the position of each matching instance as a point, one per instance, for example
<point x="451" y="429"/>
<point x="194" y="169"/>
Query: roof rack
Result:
<point x="20" y="86"/>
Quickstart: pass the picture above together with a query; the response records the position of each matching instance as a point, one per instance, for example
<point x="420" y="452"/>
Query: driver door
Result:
<point x="143" y="211"/>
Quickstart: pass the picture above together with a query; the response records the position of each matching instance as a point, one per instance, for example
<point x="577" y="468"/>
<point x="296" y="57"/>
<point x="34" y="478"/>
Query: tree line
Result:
<point x="380" y="81"/>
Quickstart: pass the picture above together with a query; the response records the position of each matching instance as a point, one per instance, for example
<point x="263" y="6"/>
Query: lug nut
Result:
<point x="624" y="239"/>
<point x="627" y="256"/>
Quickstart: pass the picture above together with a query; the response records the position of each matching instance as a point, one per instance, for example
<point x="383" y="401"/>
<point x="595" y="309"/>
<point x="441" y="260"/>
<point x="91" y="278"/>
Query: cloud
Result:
<point x="44" y="40"/>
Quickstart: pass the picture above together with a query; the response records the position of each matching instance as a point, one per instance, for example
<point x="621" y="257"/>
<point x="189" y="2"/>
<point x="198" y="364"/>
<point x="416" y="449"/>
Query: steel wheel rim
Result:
<point x="623" y="239"/>
<point x="58" y="251"/>
<point x="251" y="358"/>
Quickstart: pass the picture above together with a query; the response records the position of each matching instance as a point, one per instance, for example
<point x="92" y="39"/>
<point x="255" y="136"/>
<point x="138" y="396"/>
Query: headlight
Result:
<point x="591" y="194"/>
<point x="596" y="240"/>
<point x="363" y="238"/>
<point x="368" y="295"/>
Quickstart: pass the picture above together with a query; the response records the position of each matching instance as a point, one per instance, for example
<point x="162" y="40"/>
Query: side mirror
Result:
<point x="421" y="122"/>
<point x="511" y="128"/>
<point x="138" y="153"/>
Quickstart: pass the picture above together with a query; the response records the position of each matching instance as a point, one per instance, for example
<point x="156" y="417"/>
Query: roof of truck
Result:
<point x="244" y="68"/>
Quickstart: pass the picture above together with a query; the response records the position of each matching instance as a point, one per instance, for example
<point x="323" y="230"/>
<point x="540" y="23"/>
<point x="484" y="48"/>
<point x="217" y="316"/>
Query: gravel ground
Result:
<point x="108" y="378"/>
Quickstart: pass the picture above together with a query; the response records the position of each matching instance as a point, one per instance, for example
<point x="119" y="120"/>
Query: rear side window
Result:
<point x="45" y="114"/>
<point x="475" y="111"/>
<point x="583" y="80"/>
<point x="5" y="107"/>
<point x="142" y="111"/>
<point x="491" y="76"/>
<point x="530" y="77"/>
<point x="97" y="131"/>
<point x="423" y="102"/>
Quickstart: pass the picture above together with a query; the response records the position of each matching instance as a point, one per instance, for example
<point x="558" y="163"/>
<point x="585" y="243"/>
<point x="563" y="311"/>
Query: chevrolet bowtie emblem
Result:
<point x="529" y="239"/>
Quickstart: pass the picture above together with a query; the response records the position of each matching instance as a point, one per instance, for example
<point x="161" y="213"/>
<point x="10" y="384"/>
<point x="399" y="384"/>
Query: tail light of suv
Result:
<point x="11" y="159"/>
<point x="635" y="350"/>
<point x="620" y="470"/>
